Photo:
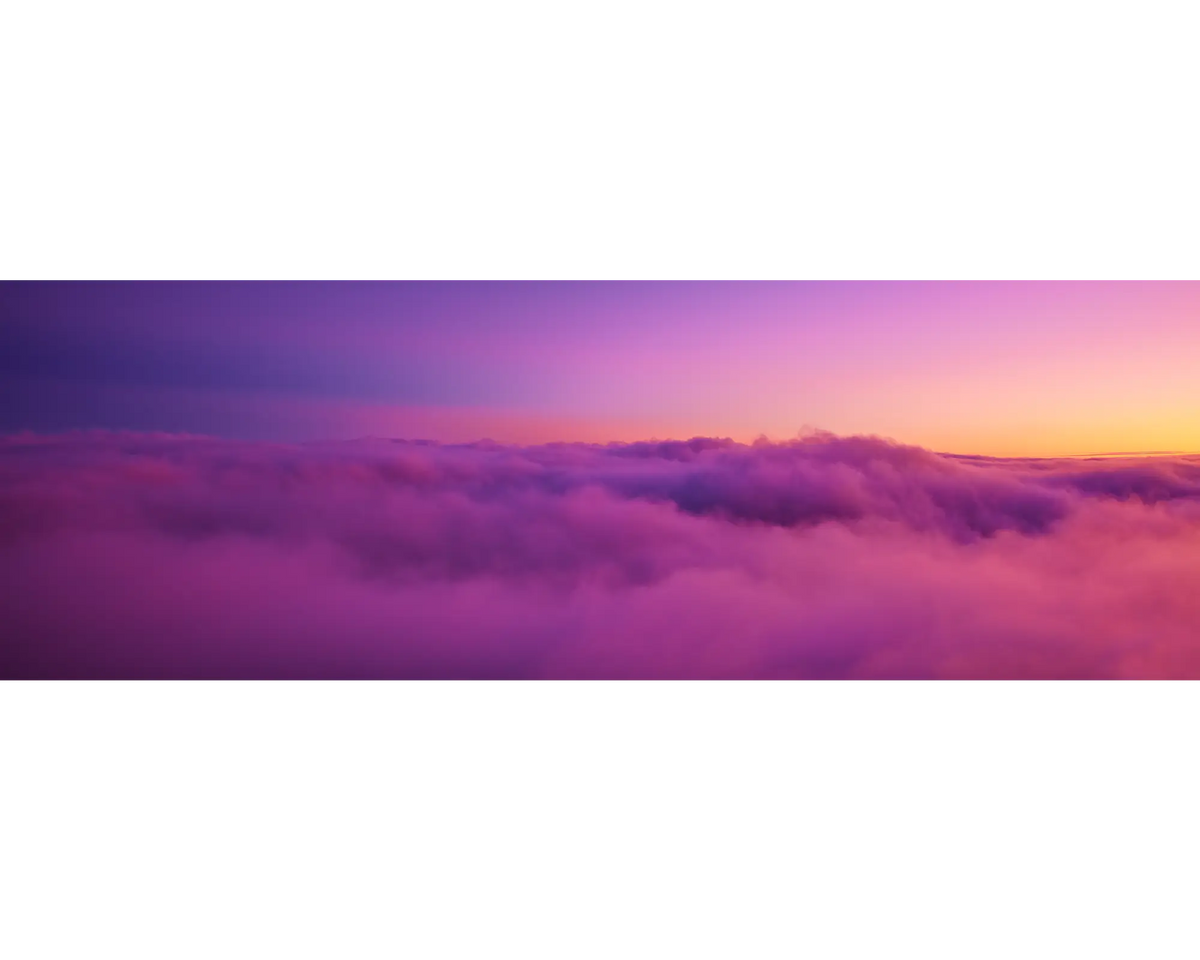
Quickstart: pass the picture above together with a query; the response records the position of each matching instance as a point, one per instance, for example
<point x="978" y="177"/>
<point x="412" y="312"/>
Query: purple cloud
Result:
<point x="130" y="555"/>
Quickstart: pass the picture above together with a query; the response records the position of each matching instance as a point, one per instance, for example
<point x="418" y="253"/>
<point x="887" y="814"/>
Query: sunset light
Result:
<point x="664" y="480"/>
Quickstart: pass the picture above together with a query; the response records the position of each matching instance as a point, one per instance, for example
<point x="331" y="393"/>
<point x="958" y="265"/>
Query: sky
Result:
<point x="594" y="480"/>
<point x="1002" y="369"/>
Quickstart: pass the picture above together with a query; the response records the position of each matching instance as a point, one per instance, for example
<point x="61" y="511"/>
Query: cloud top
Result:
<point x="128" y="555"/>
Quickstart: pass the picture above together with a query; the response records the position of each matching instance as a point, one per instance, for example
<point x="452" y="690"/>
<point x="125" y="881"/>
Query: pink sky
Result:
<point x="1039" y="369"/>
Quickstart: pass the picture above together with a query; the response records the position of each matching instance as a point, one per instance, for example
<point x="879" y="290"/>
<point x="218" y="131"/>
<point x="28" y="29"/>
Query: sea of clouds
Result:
<point x="127" y="555"/>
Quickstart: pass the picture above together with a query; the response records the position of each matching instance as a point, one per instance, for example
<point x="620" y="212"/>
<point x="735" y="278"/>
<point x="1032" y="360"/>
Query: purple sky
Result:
<point x="1009" y="368"/>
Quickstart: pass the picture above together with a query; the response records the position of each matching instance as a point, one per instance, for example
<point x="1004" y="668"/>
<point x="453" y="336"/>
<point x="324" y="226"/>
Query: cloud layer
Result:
<point x="160" y="556"/>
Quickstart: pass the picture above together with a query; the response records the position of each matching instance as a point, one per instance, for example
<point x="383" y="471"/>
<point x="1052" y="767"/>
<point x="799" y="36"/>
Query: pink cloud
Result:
<point x="152" y="556"/>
